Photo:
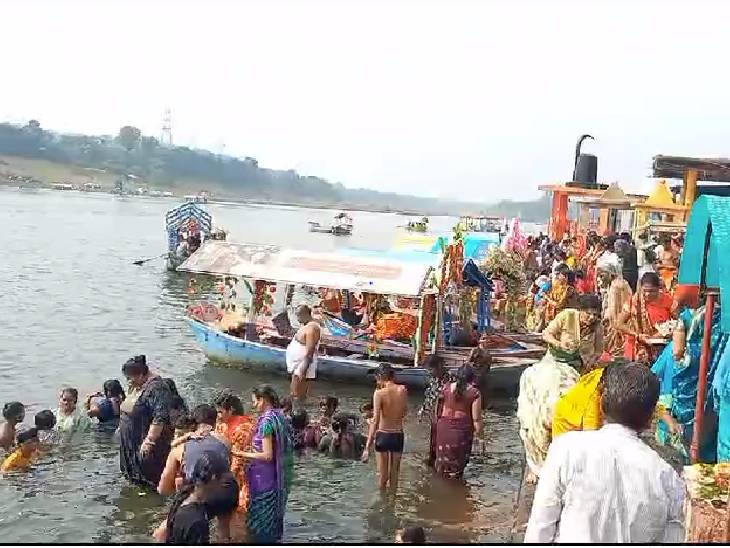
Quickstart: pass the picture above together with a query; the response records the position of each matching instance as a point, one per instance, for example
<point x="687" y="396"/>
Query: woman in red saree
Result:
<point x="560" y="296"/>
<point x="649" y="307"/>
<point x="238" y="429"/>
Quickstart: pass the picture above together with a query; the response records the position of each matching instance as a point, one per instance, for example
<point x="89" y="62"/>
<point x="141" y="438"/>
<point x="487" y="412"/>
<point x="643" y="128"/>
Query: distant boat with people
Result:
<point x="418" y="226"/>
<point x="341" y="226"/>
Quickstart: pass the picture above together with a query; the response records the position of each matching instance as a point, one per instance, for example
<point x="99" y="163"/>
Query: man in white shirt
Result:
<point x="607" y="486"/>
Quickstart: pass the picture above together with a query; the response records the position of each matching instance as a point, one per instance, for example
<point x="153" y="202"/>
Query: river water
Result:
<point x="74" y="308"/>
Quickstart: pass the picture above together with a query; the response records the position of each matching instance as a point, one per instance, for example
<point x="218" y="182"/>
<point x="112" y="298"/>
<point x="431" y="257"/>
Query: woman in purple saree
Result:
<point x="269" y="470"/>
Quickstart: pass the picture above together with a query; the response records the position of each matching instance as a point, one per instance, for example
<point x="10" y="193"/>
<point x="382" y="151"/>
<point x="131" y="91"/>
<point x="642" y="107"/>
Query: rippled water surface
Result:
<point x="74" y="308"/>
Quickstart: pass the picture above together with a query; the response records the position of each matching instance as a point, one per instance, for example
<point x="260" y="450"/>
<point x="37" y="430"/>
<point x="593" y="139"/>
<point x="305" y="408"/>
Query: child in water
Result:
<point x="22" y="457"/>
<point x="45" y="423"/>
<point x="14" y="414"/>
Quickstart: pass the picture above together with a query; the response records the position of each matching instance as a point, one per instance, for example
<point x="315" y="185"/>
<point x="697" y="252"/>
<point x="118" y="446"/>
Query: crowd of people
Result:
<point x="623" y="352"/>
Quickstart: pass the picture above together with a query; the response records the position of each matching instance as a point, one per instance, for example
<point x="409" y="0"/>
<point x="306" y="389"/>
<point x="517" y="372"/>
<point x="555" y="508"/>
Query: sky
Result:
<point x="480" y="100"/>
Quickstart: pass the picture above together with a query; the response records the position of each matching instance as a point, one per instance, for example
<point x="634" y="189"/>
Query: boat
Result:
<point x="187" y="222"/>
<point x="201" y="198"/>
<point x="63" y="186"/>
<point x="480" y="224"/>
<point x="91" y="187"/>
<point x="341" y="226"/>
<point x="418" y="226"/>
<point x="247" y="340"/>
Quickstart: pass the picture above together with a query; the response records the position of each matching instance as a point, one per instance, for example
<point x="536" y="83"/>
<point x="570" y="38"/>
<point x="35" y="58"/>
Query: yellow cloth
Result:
<point x="580" y="407"/>
<point x="571" y="262"/>
<point x="16" y="461"/>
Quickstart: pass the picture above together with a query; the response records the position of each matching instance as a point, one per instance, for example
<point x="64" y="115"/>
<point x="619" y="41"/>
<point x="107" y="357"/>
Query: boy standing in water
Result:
<point x="389" y="405"/>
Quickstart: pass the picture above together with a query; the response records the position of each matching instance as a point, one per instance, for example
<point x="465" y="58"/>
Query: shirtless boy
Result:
<point x="386" y="430"/>
<point x="301" y="354"/>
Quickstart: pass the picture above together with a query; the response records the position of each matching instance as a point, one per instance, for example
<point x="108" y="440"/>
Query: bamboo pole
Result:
<point x="702" y="378"/>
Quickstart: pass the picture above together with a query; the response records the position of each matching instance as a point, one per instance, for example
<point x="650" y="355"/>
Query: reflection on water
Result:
<point x="75" y="308"/>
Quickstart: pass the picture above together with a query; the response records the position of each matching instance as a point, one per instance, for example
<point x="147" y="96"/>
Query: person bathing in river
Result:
<point x="390" y="404"/>
<point x="301" y="354"/>
<point x="22" y="457"/>
<point x="181" y="463"/>
<point x="105" y="406"/>
<point x="460" y="420"/>
<point x="431" y="407"/>
<point x="69" y="418"/>
<point x="14" y="414"/>
<point x="45" y="423"/>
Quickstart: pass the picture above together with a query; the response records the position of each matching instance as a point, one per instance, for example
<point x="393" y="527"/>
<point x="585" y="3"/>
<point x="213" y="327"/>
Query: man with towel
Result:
<point x="301" y="354"/>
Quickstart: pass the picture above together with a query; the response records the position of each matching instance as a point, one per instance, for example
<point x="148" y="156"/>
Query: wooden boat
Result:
<point x="342" y="358"/>
<point x="418" y="226"/>
<point x="335" y="364"/>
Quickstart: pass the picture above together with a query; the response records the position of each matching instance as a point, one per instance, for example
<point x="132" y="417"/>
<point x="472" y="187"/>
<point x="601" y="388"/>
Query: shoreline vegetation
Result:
<point x="34" y="157"/>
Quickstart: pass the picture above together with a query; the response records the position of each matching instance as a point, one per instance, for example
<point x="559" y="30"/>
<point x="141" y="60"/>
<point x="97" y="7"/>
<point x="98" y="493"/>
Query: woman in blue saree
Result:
<point x="678" y="370"/>
<point x="269" y="470"/>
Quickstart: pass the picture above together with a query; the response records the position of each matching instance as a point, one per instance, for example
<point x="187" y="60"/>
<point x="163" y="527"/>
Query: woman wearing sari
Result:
<point x="561" y="293"/>
<point x="575" y="342"/>
<point x="616" y="296"/>
<point x="639" y="319"/>
<point x="237" y="428"/>
<point x="269" y="470"/>
<point x="460" y="419"/>
<point x="678" y="370"/>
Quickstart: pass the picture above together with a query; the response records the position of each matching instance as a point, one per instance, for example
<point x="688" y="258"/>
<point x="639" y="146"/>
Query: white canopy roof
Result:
<point x="372" y="272"/>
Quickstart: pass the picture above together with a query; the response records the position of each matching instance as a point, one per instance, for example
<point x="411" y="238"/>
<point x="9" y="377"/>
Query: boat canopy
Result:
<point x="373" y="272"/>
<point x="706" y="241"/>
<point x="476" y="244"/>
<point x="177" y="216"/>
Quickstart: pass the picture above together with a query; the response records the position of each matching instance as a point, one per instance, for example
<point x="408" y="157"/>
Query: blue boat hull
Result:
<point x="219" y="346"/>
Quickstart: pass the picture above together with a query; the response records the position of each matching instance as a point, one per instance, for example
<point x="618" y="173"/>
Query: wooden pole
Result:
<point x="690" y="187"/>
<point x="702" y="379"/>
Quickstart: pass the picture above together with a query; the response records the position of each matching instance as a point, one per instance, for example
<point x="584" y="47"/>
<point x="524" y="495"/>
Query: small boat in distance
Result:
<point x="91" y="187"/>
<point x="63" y="186"/>
<point x="341" y="226"/>
<point x="418" y="226"/>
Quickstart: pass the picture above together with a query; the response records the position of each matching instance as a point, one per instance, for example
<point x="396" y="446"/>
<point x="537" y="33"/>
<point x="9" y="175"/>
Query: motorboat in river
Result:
<point x="341" y="226"/>
<point x="188" y="226"/>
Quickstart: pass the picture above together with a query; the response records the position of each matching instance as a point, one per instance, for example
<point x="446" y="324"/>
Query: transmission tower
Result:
<point x="166" y="136"/>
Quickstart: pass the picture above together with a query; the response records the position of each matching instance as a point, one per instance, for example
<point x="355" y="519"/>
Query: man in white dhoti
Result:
<point x="301" y="354"/>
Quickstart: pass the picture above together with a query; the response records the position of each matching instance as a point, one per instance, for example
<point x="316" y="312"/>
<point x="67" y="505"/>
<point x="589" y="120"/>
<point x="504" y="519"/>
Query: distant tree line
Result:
<point x="131" y="152"/>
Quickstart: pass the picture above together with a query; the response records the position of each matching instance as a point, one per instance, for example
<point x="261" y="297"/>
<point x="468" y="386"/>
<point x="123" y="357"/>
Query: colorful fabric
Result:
<point x="679" y="382"/>
<point x="455" y="433"/>
<point x="580" y="407"/>
<point x="16" y="461"/>
<point x="78" y="421"/>
<point x="270" y="481"/>
<point x="239" y="430"/>
<point x="586" y="344"/>
<point x="541" y="387"/>
<point x="644" y="317"/>
<point x="433" y="391"/>
<point x="559" y="296"/>
<point x="396" y="326"/>
<point x="618" y="297"/>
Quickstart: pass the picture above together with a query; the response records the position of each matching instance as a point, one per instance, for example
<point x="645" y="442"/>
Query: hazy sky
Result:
<point x="477" y="100"/>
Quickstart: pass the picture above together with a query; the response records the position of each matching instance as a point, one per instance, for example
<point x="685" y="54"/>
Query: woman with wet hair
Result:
<point x="145" y="426"/>
<point x="188" y="522"/>
<point x="105" y="406"/>
<point x="14" y="414"/>
<point x="459" y="421"/>
<point x="270" y="468"/>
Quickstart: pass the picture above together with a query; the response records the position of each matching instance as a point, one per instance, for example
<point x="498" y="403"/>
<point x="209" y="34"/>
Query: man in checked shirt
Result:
<point x="608" y="486"/>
